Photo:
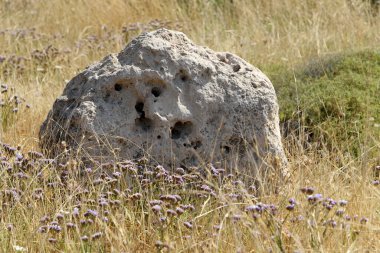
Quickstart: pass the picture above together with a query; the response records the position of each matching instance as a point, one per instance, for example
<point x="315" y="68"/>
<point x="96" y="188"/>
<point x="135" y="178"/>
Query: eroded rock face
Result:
<point x="167" y="98"/>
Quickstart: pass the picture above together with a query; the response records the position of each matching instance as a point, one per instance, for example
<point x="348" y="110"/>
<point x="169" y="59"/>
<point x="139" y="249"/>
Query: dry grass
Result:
<point x="45" y="43"/>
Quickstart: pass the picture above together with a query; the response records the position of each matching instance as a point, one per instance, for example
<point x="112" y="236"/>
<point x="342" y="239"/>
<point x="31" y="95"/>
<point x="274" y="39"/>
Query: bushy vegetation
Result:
<point x="334" y="100"/>
<point x="323" y="59"/>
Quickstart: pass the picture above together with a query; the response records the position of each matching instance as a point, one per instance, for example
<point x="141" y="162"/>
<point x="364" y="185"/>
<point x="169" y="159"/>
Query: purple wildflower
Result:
<point x="19" y="157"/>
<point x="88" y="170"/>
<point x="35" y="154"/>
<point x="117" y="174"/>
<point x="217" y="227"/>
<point x="115" y="202"/>
<point x="314" y="198"/>
<point x="171" y="212"/>
<point x="188" y="225"/>
<point x="342" y="202"/>
<point x="339" y="212"/>
<point x="206" y="188"/>
<point x="178" y="179"/>
<point x="169" y="198"/>
<point x="70" y="225"/>
<point x="179" y="210"/>
<point x="331" y="223"/>
<point x="103" y="203"/>
<point x="136" y="196"/>
<point x="97" y="235"/>
<point x="330" y="201"/>
<point x="156" y="208"/>
<point x="83" y="222"/>
<point x="253" y="208"/>
<point x="45" y="219"/>
<point x="179" y="198"/>
<point x="10" y="227"/>
<point x="292" y="201"/>
<point x="363" y="220"/>
<point x="42" y="229"/>
<point x="155" y="202"/>
<point x="60" y="216"/>
<point x="187" y="207"/>
<point x="290" y="207"/>
<point x="75" y="212"/>
<point x="55" y="228"/>
<point x="91" y="213"/>
<point x="347" y="217"/>
<point x="52" y="240"/>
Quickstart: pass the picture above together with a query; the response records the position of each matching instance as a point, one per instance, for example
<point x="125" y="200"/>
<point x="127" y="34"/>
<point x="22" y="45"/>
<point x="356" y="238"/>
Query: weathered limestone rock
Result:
<point x="169" y="99"/>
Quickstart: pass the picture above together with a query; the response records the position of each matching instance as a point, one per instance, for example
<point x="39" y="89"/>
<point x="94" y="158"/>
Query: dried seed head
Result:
<point x="307" y="190"/>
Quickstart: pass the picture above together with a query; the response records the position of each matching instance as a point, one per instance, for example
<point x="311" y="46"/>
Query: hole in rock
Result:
<point x="156" y="91"/>
<point x="158" y="136"/>
<point x="181" y="130"/>
<point x="226" y="149"/>
<point x="196" y="144"/>
<point x="142" y="122"/>
<point x="118" y="87"/>
<point x="140" y="109"/>
<point x="183" y="76"/>
<point x="236" y="67"/>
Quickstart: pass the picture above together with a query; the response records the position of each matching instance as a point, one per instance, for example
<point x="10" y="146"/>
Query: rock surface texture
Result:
<point x="166" y="98"/>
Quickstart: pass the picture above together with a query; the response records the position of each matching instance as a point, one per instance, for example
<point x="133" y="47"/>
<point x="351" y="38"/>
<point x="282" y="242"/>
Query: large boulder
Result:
<point x="166" y="98"/>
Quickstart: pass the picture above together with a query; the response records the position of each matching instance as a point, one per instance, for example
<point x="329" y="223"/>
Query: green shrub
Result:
<point x="336" y="99"/>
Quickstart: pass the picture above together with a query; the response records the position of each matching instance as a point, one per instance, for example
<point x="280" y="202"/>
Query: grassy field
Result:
<point x="323" y="58"/>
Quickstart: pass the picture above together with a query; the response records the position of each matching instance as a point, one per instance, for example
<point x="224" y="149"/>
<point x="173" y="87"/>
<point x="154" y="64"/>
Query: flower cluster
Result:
<point x="96" y="195"/>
